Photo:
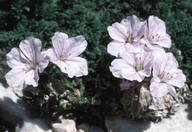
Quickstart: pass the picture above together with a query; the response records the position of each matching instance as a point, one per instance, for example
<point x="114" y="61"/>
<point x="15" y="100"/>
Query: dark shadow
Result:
<point x="3" y="82"/>
<point x="15" y="114"/>
<point x="189" y="109"/>
<point x="8" y="118"/>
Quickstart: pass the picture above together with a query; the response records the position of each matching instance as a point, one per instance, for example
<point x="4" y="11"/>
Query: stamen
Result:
<point x="130" y="40"/>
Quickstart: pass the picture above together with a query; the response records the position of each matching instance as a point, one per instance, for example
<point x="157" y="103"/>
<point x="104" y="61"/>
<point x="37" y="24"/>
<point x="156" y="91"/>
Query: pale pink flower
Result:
<point x="26" y="62"/>
<point x="65" y="53"/>
<point x="166" y="75"/>
<point x="155" y="34"/>
<point x="126" y="36"/>
<point x="132" y="66"/>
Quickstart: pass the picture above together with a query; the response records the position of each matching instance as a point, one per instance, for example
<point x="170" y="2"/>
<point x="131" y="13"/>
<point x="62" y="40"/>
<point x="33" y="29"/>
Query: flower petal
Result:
<point x="16" y="78"/>
<point x="159" y="62"/>
<point x="76" y="46"/>
<point x="60" y="41"/>
<point x="44" y="62"/>
<point x="115" y="48"/>
<point x="15" y="60"/>
<point x="75" y="66"/>
<point x="133" y="75"/>
<point x="32" y="78"/>
<point x="178" y="79"/>
<point x="118" y="32"/>
<point x="50" y="53"/>
<point x="164" y="41"/>
<point x="120" y="68"/>
<point x="129" y="58"/>
<point x="30" y="48"/>
<point x="156" y="25"/>
<point x="158" y="89"/>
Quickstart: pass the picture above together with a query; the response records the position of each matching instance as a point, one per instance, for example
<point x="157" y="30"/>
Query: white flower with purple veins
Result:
<point x="25" y="62"/>
<point x="132" y="66"/>
<point x="65" y="53"/>
<point x="126" y="36"/>
<point x="155" y="35"/>
<point x="166" y="75"/>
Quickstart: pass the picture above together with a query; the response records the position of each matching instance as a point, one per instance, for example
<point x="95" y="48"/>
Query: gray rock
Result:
<point x="180" y="122"/>
<point x="66" y="125"/>
<point x="33" y="125"/>
<point x="13" y="114"/>
<point x="95" y="129"/>
<point x="83" y="127"/>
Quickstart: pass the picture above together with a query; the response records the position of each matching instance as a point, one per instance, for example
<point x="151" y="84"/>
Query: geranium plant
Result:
<point x="149" y="74"/>
<point x="142" y="60"/>
<point x="41" y="69"/>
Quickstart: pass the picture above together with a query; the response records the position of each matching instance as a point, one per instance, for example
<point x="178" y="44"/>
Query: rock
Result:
<point x="14" y="115"/>
<point x="66" y="125"/>
<point x="34" y="125"/>
<point x="95" y="129"/>
<point x="180" y="122"/>
<point x="80" y="130"/>
<point x="84" y="127"/>
<point x="190" y="86"/>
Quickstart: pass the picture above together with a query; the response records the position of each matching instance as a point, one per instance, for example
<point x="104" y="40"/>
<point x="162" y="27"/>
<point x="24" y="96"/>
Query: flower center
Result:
<point x="61" y="58"/>
<point x="154" y="38"/>
<point x="34" y="65"/>
<point x="139" y="68"/>
<point x="165" y="76"/>
<point x="129" y="40"/>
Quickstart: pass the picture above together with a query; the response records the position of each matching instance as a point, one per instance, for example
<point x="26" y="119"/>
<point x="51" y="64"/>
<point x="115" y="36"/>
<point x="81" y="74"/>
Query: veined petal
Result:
<point x="115" y="48"/>
<point x="60" y="42"/>
<point x="32" y="78"/>
<point x="120" y="68"/>
<point x="164" y="41"/>
<point x="44" y="62"/>
<point x="146" y="30"/>
<point x="16" y="78"/>
<point x="172" y="61"/>
<point x="147" y="58"/>
<point x="133" y="75"/>
<point x="158" y="89"/>
<point x="75" y="66"/>
<point x="155" y="77"/>
<point x="15" y="60"/>
<point x="137" y="27"/>
<point x="133" y="48"/>
<point x="129" y="58"/>
<point x="118" y="32"/>
<point x="50" y="53"/>
<point x="156" y="25"/>
<point x="31" y="49"/>
<point x="159" y="61"/>
<point x="178" y="79"/>
<point x="76" y="46"/>
<point x="145" y="72"/>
